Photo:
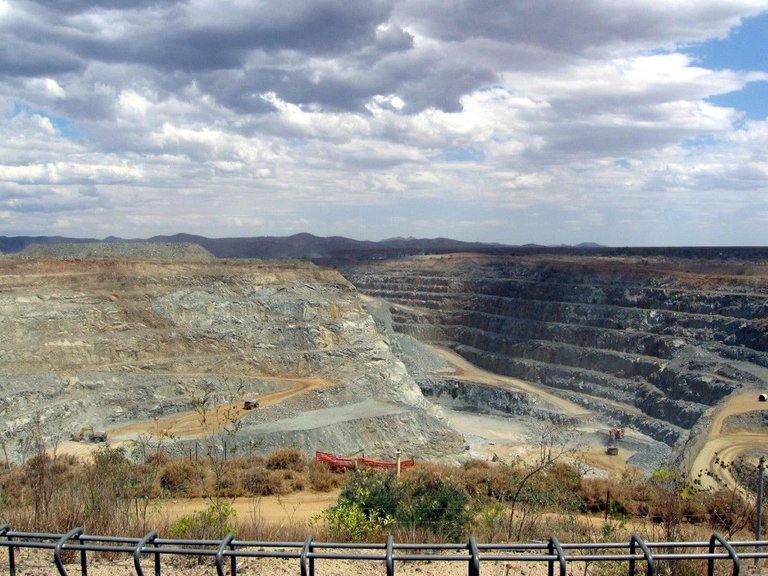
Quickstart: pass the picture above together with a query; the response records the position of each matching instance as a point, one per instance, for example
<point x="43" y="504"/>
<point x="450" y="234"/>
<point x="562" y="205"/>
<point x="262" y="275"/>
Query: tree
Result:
<point x="219" y="424"/>
<point x="555" y="442"/>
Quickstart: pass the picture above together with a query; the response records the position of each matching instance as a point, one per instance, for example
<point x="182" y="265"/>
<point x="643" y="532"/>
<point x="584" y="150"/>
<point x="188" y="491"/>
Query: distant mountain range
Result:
<point x="337" y="248"/>
<point x="301" y="246"/>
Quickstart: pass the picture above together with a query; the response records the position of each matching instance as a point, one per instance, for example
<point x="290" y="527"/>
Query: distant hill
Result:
<point x="297" y="246"/>
<point x="337" y="249"/>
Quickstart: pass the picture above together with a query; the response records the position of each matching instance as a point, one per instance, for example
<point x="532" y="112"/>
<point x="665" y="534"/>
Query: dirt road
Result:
<point x="464" y="370"/>
<point x="189" y="424"/>
<point x="199" y="424"/>
<point x="510" y="439"/>
<point x="728" y="446"/>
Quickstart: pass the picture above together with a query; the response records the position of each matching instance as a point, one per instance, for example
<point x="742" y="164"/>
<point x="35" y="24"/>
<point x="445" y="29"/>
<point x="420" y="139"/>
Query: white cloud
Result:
<point x="210" y="117"/>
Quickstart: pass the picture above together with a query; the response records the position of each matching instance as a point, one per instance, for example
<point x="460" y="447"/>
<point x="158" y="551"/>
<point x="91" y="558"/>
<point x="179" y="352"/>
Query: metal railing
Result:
<point x="309" y="554"/>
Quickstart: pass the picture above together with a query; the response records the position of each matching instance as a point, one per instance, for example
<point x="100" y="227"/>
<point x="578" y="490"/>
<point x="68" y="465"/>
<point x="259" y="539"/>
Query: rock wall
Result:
<point x="648" y="342"/>
<point x="112" y="342"/>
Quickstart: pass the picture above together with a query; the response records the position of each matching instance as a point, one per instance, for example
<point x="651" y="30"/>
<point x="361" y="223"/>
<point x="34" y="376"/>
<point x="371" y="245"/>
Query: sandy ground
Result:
<point x="40" y="563"/>
<point x="279" y="511"/>
<point x="730" y="445"/>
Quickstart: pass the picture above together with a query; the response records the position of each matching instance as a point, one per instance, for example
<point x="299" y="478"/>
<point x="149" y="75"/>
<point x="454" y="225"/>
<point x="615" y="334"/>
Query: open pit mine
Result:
<point x="639" y="360"/>
<point x="175" y="346"/>
<point x="652" y="360"/>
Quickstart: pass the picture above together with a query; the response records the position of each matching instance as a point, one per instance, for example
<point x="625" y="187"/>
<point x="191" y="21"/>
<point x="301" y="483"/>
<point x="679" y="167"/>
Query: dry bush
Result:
<point x="287" y="459"/>
<point x="475" y="464"/>
<point x="321" y="479"/>
<point x="248" y="462"/>
<point x="563" y="476"/>
<point x="230" y="480"/>
<point x="294" y="481"/>
<point x="179" y="477"/>
<point x="263" y="482"/>
<point x="158" y="457"/>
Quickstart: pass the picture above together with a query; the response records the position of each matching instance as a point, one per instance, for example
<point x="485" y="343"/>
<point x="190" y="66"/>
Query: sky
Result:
<point x="621" y="122"/>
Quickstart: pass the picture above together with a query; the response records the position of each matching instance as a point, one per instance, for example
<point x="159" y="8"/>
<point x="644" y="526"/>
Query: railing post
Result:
<point x="220" y="556"/>
<point x="555" y="547"/>
<point x="474" y="560"/>
<point x="390" y="555"/>
<point x="637" y="541"/>
<point x="4" y="529"/>
<point x="305" y="550"/>
<point x="731" y="553"/>
<point x="74" y="533"/>
<point x="137" y="554"/>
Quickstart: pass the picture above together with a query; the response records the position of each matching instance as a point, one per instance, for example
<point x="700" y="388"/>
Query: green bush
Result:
<point x="426" y="501"/>
<point x="434" y="503"/>
<point x="350" y="521"/>
<point x="213" y="523"/>
<point x="373" y="491"/>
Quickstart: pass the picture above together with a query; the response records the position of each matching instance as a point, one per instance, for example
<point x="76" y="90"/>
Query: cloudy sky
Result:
<point x="623" y="122"/>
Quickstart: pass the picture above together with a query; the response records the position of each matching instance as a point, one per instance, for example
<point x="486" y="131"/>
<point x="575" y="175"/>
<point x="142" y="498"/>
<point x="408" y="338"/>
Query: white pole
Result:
<point x="398" y="462"/>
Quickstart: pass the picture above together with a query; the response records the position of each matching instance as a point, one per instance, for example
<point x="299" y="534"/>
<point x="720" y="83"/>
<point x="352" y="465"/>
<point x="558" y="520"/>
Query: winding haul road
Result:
<point x="464" y="370"/>
<point x="728" y="445"/>
<point x="190" y="424"/>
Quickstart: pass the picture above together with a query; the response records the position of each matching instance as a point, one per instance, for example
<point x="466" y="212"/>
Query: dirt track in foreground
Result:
<point x="279" y="511"/>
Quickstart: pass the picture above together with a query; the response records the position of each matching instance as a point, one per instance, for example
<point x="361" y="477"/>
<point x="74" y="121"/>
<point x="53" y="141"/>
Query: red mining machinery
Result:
<point x="614" y="434"/>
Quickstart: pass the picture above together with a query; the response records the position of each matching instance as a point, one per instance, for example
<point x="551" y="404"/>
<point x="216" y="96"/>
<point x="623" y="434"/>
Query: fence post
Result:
<point x="759" y="522"/>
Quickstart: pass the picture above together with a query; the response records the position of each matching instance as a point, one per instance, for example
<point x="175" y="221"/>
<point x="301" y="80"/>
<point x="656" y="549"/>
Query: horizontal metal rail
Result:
<point x="310" y="553"/>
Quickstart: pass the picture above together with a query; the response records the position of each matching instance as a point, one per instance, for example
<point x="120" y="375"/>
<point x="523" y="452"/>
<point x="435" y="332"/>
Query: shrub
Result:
<point x="426" y="500"/>
<point x="350" y="521"/>
<point x="321" y="479"/>
<point x="434" y="503"/>
<point x="263" y="482"/>
<point x="287" y="459"/>
<point x="373" y="490"/>
<point x="213" y="523"/>
<point x="178" y="477"/>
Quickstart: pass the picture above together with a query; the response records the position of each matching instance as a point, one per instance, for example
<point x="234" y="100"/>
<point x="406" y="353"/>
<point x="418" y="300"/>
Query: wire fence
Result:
<point x="636" y="556"/>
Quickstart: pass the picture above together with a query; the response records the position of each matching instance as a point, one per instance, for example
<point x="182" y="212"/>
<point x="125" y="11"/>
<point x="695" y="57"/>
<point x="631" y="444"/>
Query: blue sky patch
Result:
<point x="745" y="49"/>
<point x="463" y="155"/>
<point x="64" y="126"/>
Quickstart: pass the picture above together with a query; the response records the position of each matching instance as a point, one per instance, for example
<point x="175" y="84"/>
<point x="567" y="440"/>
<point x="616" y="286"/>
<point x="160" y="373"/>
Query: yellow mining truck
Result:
<point x="87" y="433"/>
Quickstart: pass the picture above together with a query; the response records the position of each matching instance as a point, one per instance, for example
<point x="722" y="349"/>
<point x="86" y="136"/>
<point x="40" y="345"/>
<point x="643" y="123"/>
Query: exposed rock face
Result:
<point x="107" y="343"/>
<point x="651" y="343"/>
